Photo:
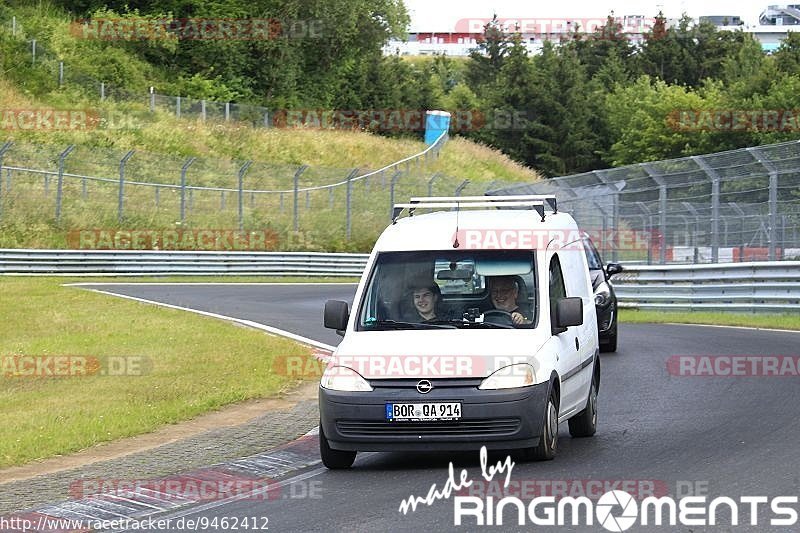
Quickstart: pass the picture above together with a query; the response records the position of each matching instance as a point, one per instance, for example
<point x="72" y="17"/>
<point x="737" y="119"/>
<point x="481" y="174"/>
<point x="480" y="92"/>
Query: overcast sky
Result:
<point x="443" y="14"/>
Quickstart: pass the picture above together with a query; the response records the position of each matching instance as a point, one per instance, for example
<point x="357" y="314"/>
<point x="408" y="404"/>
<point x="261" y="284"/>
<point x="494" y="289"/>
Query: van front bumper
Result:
<point x="498" y="419"/>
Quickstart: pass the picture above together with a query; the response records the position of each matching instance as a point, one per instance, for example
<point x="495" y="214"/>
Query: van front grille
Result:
<point x="463" y="428"/>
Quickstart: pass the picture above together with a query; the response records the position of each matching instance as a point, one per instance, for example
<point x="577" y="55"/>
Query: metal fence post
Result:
<point x="178" y="106"/>
<point x="157" y="190"/>
<point x="330" y="197"/>
<point x="772" y="234"/>
<point x="152" y="100"/>
<point x="461" y="187"/>
<point x="430" y="183"/>
<point x="222" y="200"/>
<point x="60" y="73"/>
<point x="184" y="169"/>
<point x="59" y="190"/>
<point x="715" y="179"/>
<point x="227" y="111"/>
<point x="3" y="151"/>
<point x="203" y="109"/>
<point x="102" y="91"/>
<point x="392" y="183"/>
<point x="348" y="200"/>
<point x="295" y="221"/>
<point x="121" y="198"/>
<point x="242" y="172"/>
<point x="33" y="51"/>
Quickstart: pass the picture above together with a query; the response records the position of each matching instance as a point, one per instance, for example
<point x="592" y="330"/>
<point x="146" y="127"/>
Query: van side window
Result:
<point x="557" y="289"/>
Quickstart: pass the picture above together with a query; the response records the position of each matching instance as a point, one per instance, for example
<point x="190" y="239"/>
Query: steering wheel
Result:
<point x="503" y="316"/>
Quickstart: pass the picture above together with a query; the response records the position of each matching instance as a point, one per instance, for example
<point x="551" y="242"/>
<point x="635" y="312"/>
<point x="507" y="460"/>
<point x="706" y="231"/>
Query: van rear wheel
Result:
<point x="334" y="459"/>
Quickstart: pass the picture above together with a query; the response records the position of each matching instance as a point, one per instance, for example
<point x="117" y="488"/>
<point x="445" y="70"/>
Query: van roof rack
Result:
<point x="536" y="202"/>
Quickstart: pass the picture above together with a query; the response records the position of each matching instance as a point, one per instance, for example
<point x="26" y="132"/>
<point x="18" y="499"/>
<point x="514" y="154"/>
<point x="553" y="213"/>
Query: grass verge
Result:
<point x="188" y="365"/>
<point x="204" y="279"/>
<point x="769" y="321"/>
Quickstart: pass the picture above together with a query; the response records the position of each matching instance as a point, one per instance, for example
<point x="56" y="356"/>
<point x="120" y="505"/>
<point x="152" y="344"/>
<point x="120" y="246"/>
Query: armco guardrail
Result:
<point x="178" y="263"/>
<point x="750" y="287"/>
<point x="762" y="286"/>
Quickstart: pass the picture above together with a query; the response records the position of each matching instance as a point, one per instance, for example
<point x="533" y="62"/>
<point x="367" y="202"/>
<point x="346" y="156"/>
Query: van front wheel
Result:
<point x="334" y="459"/>
<point x="548" y="441"/>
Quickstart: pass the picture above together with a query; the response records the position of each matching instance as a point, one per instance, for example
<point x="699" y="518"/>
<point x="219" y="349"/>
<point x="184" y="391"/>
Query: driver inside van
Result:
<point x="426" y="297"/>
<point x="504" y="292"/>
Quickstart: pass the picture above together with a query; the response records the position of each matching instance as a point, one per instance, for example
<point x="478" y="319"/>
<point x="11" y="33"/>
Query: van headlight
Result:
<point x="346" y="379"/>
<point x="602" y="294"/>
<point x="510" y="377"/>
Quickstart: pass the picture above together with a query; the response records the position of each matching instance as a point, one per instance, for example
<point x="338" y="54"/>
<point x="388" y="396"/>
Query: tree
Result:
<point x="651" y="120"/>
<point x="666" y="51"/>
<point x="608" y="40"/>
<point x="560" y="138"/>
<point x="488" y="57"/>
<point x="787" y="56"/>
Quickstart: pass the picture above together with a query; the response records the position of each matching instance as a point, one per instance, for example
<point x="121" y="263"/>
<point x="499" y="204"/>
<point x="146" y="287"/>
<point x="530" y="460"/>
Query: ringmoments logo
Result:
<point x="615" y="510"/>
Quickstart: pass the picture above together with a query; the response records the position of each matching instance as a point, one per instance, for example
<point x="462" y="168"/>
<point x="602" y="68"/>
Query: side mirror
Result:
<point x="613" y="268"/>
<point x="569" y="312"/>
<point x="336" y="315"/>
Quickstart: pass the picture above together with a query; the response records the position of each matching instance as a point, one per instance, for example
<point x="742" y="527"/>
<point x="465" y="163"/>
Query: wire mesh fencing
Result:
<point x="734" y="206"/>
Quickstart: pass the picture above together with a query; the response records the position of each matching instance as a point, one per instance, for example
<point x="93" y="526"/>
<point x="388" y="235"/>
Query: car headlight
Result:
<point x="510" y="377"/>
<point x="602" y="294"/>
<point x="345" y="379"/>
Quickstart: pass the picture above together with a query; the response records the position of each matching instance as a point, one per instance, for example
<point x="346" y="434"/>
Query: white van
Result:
<point x="473" y="325"/>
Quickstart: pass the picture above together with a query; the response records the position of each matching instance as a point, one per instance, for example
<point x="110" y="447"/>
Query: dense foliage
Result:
<point x="588" y="102"/>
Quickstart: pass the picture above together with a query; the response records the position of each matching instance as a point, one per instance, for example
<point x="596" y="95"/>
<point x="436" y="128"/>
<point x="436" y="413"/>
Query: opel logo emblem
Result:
<point x="424" y="386"/>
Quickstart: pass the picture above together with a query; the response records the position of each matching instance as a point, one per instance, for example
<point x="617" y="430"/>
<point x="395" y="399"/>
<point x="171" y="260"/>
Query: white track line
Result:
<point x="103" y="283"/>
<point x="721" y="326"/>
<point x="248" y="323"/>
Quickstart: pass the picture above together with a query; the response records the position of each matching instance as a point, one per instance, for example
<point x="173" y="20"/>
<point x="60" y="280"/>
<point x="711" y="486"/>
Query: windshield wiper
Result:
<point x="396" y="324"/>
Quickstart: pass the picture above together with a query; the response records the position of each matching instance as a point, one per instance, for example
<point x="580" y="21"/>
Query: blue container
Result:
<point x="436" y="123"/>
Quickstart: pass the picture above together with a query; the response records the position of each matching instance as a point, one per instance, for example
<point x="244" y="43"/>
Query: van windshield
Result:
<point x="450" y="289"/>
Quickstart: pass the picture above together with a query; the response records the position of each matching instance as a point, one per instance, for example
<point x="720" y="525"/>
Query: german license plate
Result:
<point x="419" y="412"/>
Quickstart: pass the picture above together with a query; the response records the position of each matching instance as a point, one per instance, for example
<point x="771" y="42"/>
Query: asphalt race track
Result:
<point x="661" y="432"/>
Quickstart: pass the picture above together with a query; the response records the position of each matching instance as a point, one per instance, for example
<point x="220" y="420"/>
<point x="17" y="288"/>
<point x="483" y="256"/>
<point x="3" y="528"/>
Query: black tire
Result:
<point x="584" y="424"/>
<point x="611" y="344"/>
<point x="334" y="459"/>
<point x="548" y="441"/>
